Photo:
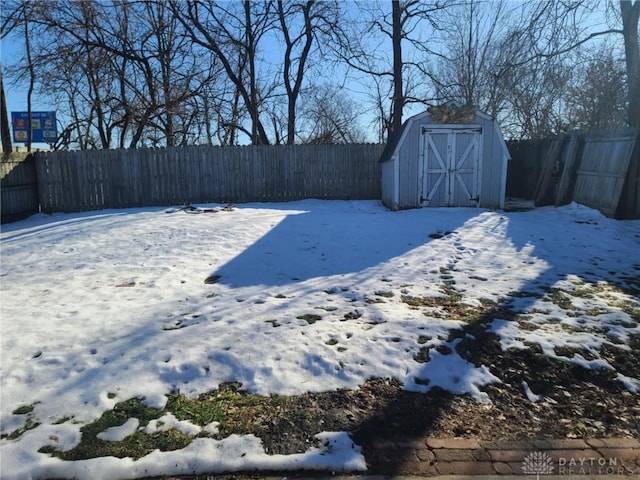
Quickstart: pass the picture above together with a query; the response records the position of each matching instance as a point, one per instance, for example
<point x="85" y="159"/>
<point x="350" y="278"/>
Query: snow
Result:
<point x="451" y="372"/>
<point x="533" y="398"/>
<point x="117" y="434"/>
<point x="169" y="421"/>
<point x="203" y="455"/>
<point x="101" y="307"/>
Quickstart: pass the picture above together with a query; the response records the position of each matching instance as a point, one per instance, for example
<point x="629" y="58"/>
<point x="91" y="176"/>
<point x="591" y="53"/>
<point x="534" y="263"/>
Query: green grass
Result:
<point x="23" y="410"/>
<point x="310" y="318"/>
<point x="136" y="445"/>
<point x="237" y="413"/>
<point x="422" y="356"/>
<point x="559" y="297"/>
<point x="29" y="424"/>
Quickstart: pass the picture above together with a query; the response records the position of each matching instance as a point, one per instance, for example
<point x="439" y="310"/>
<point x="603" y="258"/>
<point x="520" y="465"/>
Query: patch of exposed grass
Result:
<point x="136" y="445"/>
<point x="600" y="330"/>
<point x="630" y="308"/>
<point x="62" y="420"/>
<point x="384" y="293"/>
<point x="595" y="311"/>
<point x="559" y="297"/>
<point x="582" y="292"/>
<point x="237" y="413"/>
<point x="30" y="424"/>
<point x="451" y="307"/>
<point x="445" y="350"/>
<point x="450" y="300"/>
<point x="23" y="410"/>
<point x="370" y="300"/>
<point x="422" y="356"/>
<point x="310" y="318"/>
<point x="523" y="294"/>
<point x="419" y="301"/>
<point x="331" y="342"/>
<point x="274" y="323"/>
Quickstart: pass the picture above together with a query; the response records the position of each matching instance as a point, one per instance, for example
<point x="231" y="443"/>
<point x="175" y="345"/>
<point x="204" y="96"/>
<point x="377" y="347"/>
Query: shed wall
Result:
<point x="493" y="167"/>
<point x="492" y="170"/>
<point x="409" y="158"/>
<point x="388" y="185"/>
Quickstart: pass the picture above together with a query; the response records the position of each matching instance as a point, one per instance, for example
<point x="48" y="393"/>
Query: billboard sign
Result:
<point x="43" y="127"/>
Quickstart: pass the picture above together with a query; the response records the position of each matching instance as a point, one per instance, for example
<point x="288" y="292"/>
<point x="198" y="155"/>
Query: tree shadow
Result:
<point x="305" y="245"/>
<point x="394" y="437"/>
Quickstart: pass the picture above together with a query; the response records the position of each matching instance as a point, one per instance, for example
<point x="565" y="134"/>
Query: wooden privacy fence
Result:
<point x="611" y="185"/>
<point x="18" y="187"/>
<point x="599" y="169"/>
<point x="97" y="179"/>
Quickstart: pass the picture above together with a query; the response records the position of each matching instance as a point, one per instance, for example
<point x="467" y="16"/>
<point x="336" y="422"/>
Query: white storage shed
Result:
<point x="448" y="156"/>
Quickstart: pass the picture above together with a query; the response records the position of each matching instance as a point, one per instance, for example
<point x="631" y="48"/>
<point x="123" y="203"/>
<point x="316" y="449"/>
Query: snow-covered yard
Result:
<point x="310" y="296"/>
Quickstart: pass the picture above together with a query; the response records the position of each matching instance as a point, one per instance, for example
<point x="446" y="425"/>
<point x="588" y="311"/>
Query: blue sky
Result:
<point x="16" y="95"/>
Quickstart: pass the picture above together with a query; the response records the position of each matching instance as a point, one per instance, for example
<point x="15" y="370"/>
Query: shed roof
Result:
<point x="397" y="136"/>
<point x="392" y="141"/>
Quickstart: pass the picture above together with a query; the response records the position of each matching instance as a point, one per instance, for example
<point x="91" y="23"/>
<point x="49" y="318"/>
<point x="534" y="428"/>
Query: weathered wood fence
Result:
<point x="18" y="187"/>
<point x="612" y="185"/>
<point x="600" y="170"/>
<point x="98" y="179"/>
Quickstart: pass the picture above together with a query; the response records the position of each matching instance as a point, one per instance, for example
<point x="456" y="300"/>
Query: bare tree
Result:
<point x="331" y="117"/>
<point x="473" y="72"/>
<point x="534" y="99"/>
<point x="302" y="24"/>
<point x="556" y="28"/>
<point x="18" y="16"/>
<point x="396" y="42"/>
<point x="408" y="23"/>
<point x="5" y="133"/>
<point x="630" y="12"/>
<point x="232" y="33"/>
<point x="597" y="97"/>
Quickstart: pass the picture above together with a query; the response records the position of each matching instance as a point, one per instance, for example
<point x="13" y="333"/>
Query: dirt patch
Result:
<point x="540" y="395"/>
<point x="576" y="403"/>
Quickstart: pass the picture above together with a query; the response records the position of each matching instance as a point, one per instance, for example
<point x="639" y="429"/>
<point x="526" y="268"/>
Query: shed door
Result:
<point x="450" y="167"/>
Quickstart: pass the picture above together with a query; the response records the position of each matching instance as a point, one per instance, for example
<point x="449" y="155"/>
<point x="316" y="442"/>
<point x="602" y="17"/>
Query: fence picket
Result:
<point x="98" y="179"/>
<point x="603" y="170"/>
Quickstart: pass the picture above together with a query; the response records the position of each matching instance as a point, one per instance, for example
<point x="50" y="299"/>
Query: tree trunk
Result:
<point x="630" y="12"/>
<point x="4" y="120"/>
<point x="398" y="100"/>
<point x="32" y="74"/>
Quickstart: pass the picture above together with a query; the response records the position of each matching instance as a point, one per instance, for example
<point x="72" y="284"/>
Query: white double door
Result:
<point x="450" y="166"/>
